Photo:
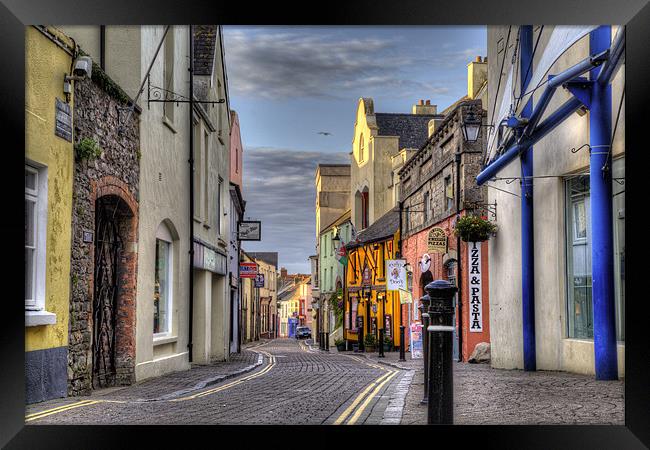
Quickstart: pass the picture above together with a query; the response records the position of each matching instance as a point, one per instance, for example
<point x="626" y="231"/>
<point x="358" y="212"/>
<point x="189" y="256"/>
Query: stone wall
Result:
<point x="114" y="173"/>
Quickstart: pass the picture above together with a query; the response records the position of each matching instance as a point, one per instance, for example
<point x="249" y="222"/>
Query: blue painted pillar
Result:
<point x="527" y="224"/>
<point x="600" y="184"/>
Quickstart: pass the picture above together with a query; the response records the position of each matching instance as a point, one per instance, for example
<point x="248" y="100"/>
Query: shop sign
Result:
<point x="437" y="240"/>
<point x="396" y="271"/>
<point x="247" y="269"/>
<point x="405" y="297"/>
<point x="250" y="230"/>
<point x="259" y="280"/>
<point x="474" y="283"/>
<point x="425" y="263"/>
<point x="416" y="340"/>
<point x="366" y="278"/>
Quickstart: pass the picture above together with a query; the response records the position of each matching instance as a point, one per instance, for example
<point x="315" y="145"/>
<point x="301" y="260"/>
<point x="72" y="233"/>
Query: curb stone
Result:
<point x="397" y="401"/>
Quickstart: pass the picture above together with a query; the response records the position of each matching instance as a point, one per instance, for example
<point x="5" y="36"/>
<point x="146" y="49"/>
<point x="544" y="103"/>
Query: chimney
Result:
<point x="433" y="126"/>
<point x="476" y="76"/>
<point x="425" y="108"/>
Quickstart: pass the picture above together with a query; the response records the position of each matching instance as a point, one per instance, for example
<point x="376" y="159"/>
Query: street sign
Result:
<point x="247" y="270"/>
<point x="250" y="230"/>
<point x="259" y="280"/>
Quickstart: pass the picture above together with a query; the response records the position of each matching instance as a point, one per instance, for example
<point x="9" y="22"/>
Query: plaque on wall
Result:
<point x="63" y="120"/>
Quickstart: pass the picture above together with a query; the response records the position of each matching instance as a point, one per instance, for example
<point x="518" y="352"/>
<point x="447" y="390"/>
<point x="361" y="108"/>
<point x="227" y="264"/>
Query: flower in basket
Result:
<point x="474" y="228"/>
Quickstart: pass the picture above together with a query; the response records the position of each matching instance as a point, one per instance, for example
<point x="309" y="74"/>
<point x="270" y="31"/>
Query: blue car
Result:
<point x="303" y="332"/>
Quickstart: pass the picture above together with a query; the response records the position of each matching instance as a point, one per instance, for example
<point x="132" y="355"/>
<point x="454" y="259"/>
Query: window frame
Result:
<point x="164" y="235"/>
<point x="39" y="197"/>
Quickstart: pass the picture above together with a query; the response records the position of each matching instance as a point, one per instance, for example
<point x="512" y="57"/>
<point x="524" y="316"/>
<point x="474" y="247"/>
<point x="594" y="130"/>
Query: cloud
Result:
<point x="280" y="64"/>
<point x="279" y="190"/>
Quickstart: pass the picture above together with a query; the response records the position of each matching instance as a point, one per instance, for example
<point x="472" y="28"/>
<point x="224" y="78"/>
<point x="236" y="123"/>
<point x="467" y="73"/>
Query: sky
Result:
<point x="287" y="84"/>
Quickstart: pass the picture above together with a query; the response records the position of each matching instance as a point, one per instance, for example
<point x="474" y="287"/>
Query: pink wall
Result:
<point x="236" y="151"/>
<point x="415" y="246"/>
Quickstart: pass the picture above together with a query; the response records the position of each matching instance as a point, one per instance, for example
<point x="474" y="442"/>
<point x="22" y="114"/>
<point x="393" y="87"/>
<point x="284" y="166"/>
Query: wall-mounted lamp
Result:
<point x="83" y="68"/>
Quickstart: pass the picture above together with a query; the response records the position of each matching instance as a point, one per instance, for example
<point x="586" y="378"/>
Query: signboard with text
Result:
<point x="250" y="230"/>
<point x="474" y="283"/>
<point x="437" y="240"/>
<point x="396" y="274"/>
<point x="247" y="270"/>
<point x="259" y="280"/>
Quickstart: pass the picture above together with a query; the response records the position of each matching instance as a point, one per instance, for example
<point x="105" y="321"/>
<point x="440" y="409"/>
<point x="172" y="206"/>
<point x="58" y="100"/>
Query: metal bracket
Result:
<point x="490" y="208"/>
<point x="581" y="89"/>
<point x="157" y="94"/>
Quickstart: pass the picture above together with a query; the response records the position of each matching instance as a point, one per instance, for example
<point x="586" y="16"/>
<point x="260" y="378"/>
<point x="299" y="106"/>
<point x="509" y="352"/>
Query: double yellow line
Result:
<point x="350" y="414"/>
<point x="233" y="383"/>
<point x="49" y="412"/>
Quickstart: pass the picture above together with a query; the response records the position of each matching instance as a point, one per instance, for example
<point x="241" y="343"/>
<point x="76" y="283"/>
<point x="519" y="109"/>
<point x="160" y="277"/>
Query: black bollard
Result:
<point x="424" y="307"/>
<point x="381" y="343"/>
<point x="440" y="408"/>
<point x="327" y="342"/>
<point x="402" y="345"/>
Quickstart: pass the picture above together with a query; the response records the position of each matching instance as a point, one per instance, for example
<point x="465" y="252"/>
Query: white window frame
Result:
<point x="163" y="234"/>
<point x="35" y="313"/>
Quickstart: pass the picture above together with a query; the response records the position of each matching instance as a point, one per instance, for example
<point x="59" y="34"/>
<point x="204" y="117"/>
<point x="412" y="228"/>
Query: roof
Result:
<point x="346" y="216"/>
<point x="268" y="257"/>
<point x="412" y="129"/>
<point x="205" y="38"/>
<point x="384" y="227"/>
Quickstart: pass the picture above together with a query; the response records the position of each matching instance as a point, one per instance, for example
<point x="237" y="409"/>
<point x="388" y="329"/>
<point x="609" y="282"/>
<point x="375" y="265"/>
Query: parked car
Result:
<point x="303" y="332"/>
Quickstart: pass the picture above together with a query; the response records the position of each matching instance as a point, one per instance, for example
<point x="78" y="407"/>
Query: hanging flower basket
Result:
<point x="474" y="229"/>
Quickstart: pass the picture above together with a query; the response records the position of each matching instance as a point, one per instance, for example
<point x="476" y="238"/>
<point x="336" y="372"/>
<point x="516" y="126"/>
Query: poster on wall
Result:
<point x="387" y="325"/>
<point x="396" y="272"/>
<point x="474" y="283"/>
<point x="415" y="334"/>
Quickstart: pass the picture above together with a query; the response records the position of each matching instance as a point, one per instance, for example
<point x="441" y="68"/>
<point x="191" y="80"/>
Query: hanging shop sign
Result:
<point x="250" y="230"/>
<point x="396" y="271"/>
<point x="405" y="297"/>
<point x="247" y="270"/>
<point x="474" y="283"/>
<point x="437" y="240"/>
<point x="425" y="263"/>
<point x="416" y="340"/>
<point x="259" y="280"/>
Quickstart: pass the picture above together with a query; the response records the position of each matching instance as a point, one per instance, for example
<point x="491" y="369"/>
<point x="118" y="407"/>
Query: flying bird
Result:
<point x="325" y="133"/>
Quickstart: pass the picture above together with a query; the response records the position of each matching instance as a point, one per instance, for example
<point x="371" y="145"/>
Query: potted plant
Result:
<point x="474" y="229"/>
<point x="388" y="344"/>
<point x="369" y="342"/>
<point x="340" y="344"/>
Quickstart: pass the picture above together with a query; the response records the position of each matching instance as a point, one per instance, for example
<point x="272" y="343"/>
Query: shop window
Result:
<point x="162" y="282"/>
<point x="578" y="252"/>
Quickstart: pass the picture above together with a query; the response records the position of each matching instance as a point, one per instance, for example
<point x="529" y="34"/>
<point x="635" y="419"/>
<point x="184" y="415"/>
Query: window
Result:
<point x="325" y="280"/>
<point x="578" y="253"/>
<point x="198" y="170"/>
<point x="35" y="236"/>
<point x="162" y="282"/>
<point x="219" y="213"/>
<point x="449" y="193"/>
<point x="407" y="216"/>
<point x="364" y="210"/>
<point x="168" y="74"/>
<point x="361" y="149"/>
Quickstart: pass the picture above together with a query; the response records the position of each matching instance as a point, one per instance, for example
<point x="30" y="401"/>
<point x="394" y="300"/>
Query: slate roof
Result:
<point x="205" y="39"/>
<point x="412" y="129"/>
<point x="383" y="228"/>
<point x="268" y="257"/>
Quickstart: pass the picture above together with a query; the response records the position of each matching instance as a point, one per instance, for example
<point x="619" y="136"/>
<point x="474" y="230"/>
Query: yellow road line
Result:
<point x="58" y="410"/>
<point x="358" y="399"/>
<point x="364" y="405"/>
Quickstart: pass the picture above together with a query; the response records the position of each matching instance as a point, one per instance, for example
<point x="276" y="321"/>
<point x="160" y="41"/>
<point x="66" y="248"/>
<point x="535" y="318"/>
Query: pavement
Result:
<point x="285" y="381"/>
<point x="487" y="396"/>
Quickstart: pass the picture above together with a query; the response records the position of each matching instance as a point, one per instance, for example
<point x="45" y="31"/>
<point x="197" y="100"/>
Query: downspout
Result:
<point x="600" y="186"/>
<point x="102" y="47"/>
<point x="191" y="167"/>
<point x="527" y="224"/>
<point x="459" y="265"/>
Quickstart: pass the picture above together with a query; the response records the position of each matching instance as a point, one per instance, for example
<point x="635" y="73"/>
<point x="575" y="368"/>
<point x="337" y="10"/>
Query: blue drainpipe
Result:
<point x="527" y="228"/>
<point x="600" y="182"/>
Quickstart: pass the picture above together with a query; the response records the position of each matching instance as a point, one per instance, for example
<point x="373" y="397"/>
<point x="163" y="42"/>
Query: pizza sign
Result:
<point x="437" y="240"/>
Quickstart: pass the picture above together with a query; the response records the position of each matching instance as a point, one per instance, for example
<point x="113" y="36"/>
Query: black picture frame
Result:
<point x="15" y="14"/>
<point x="259" y="222"/>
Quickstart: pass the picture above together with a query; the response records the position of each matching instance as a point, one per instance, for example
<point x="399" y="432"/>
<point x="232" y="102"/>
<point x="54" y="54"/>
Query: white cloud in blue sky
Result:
<point x="289" y="83"/>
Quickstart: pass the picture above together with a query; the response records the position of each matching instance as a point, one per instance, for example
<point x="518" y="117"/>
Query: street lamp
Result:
<point x="471" y="126"/>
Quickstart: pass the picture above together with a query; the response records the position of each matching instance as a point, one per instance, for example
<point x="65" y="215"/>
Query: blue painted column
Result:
<point x="600" y="184"/>
<point x="527" y="224"/>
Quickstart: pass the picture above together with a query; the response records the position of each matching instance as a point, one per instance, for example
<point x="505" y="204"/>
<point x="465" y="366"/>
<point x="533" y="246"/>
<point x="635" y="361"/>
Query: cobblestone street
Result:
<point x="286" y="383"/>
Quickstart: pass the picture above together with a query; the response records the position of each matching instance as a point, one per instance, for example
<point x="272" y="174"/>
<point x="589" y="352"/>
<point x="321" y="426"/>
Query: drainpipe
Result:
<point x="459" y="264"/>
<point x="527" y="224"/>
<point x="600" y="185"/>
<point x="191" y="164"/>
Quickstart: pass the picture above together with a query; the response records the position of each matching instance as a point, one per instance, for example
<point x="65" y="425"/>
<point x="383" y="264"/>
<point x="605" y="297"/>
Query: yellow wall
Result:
<point x="45" y="66"/>
<point x="375" y="256"/>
